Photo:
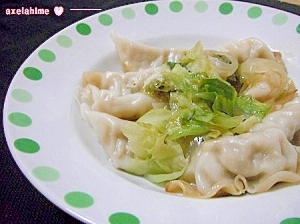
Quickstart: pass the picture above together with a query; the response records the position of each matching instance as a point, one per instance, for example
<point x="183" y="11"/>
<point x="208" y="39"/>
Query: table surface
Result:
<point x="20" y="202"/>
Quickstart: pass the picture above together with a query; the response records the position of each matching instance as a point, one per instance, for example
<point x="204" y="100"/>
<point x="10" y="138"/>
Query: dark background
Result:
<point x="20" y="35"/>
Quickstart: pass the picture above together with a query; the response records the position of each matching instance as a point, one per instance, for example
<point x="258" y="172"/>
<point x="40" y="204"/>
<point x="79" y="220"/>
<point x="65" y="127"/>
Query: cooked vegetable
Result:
<point x="198" y="103"/>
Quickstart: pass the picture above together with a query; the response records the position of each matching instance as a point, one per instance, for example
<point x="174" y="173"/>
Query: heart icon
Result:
<point x="58" y="10"/>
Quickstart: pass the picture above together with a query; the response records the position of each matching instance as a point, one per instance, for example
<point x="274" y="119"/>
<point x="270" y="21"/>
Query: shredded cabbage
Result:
<point x="156" y="157"/>
<point x="199" y="104"/>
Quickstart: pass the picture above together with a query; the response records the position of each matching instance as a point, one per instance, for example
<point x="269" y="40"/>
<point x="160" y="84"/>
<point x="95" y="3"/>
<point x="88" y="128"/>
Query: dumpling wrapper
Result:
<point x="286" y="119"/>
<point x="234" y="165"/>
<point x="136" y="56"/>
<point x="267" y="81"/>
<point x="117" y="94"/>
<point x="251" y="162"/>
<point x="248" y="48"/>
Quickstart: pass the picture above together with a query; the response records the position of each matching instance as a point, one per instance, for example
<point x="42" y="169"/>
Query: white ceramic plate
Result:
<point x="60" y="154"/>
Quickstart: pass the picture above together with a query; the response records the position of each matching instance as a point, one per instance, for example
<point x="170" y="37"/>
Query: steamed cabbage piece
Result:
<point x="202" y="104"/>
<point x="192" y="100"/>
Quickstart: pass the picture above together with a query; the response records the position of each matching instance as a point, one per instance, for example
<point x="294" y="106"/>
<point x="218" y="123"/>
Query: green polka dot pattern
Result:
<point x="45" y="173"/>
<point x="35" y="75"/>
<point x="105" y="19"/>
<point x="26" y="145"/>
<point x="280" y="19"/>
<point x="123" y="218"/>
<point x="201" y="6"/>
<point x="64" y="41"/>
<point x="128" y="13"/>
<point x="79" y="199"/>
<point x="151" y="9"/>
<point x="46" y="55"/>
<point x="226" y="8"/>
<point x="21" y="95"/>
<point x="19" y="119"/>
<point x="254" y="12"/>
<point x="83" y="29"/>
<point x="291" y="221"/>
<point x="32" y="73"/>
<point x="176" y="6"/>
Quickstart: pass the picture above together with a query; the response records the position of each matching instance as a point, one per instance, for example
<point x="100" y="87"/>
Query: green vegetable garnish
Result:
<point x="199" y="104"/>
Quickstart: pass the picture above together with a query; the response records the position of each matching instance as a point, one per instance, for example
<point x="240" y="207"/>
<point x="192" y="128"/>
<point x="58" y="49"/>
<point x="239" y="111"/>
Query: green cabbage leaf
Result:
<point x="198" y="103"/>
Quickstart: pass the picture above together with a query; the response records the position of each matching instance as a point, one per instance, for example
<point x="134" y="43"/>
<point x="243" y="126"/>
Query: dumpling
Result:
<point x="149" y="162"/>
<point x="251" y="162"/>
<point x="118" y="94"/>
<point x="123" y="83"/>
<point x="136" y="56"/>
<point x="248" y="48"/>
<point x="113" y="143"/>
<point x="266" y="80"/>
<point x="286" y="119"/>
<point x="262" y="72"/>
<point x="129" y="106"/>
